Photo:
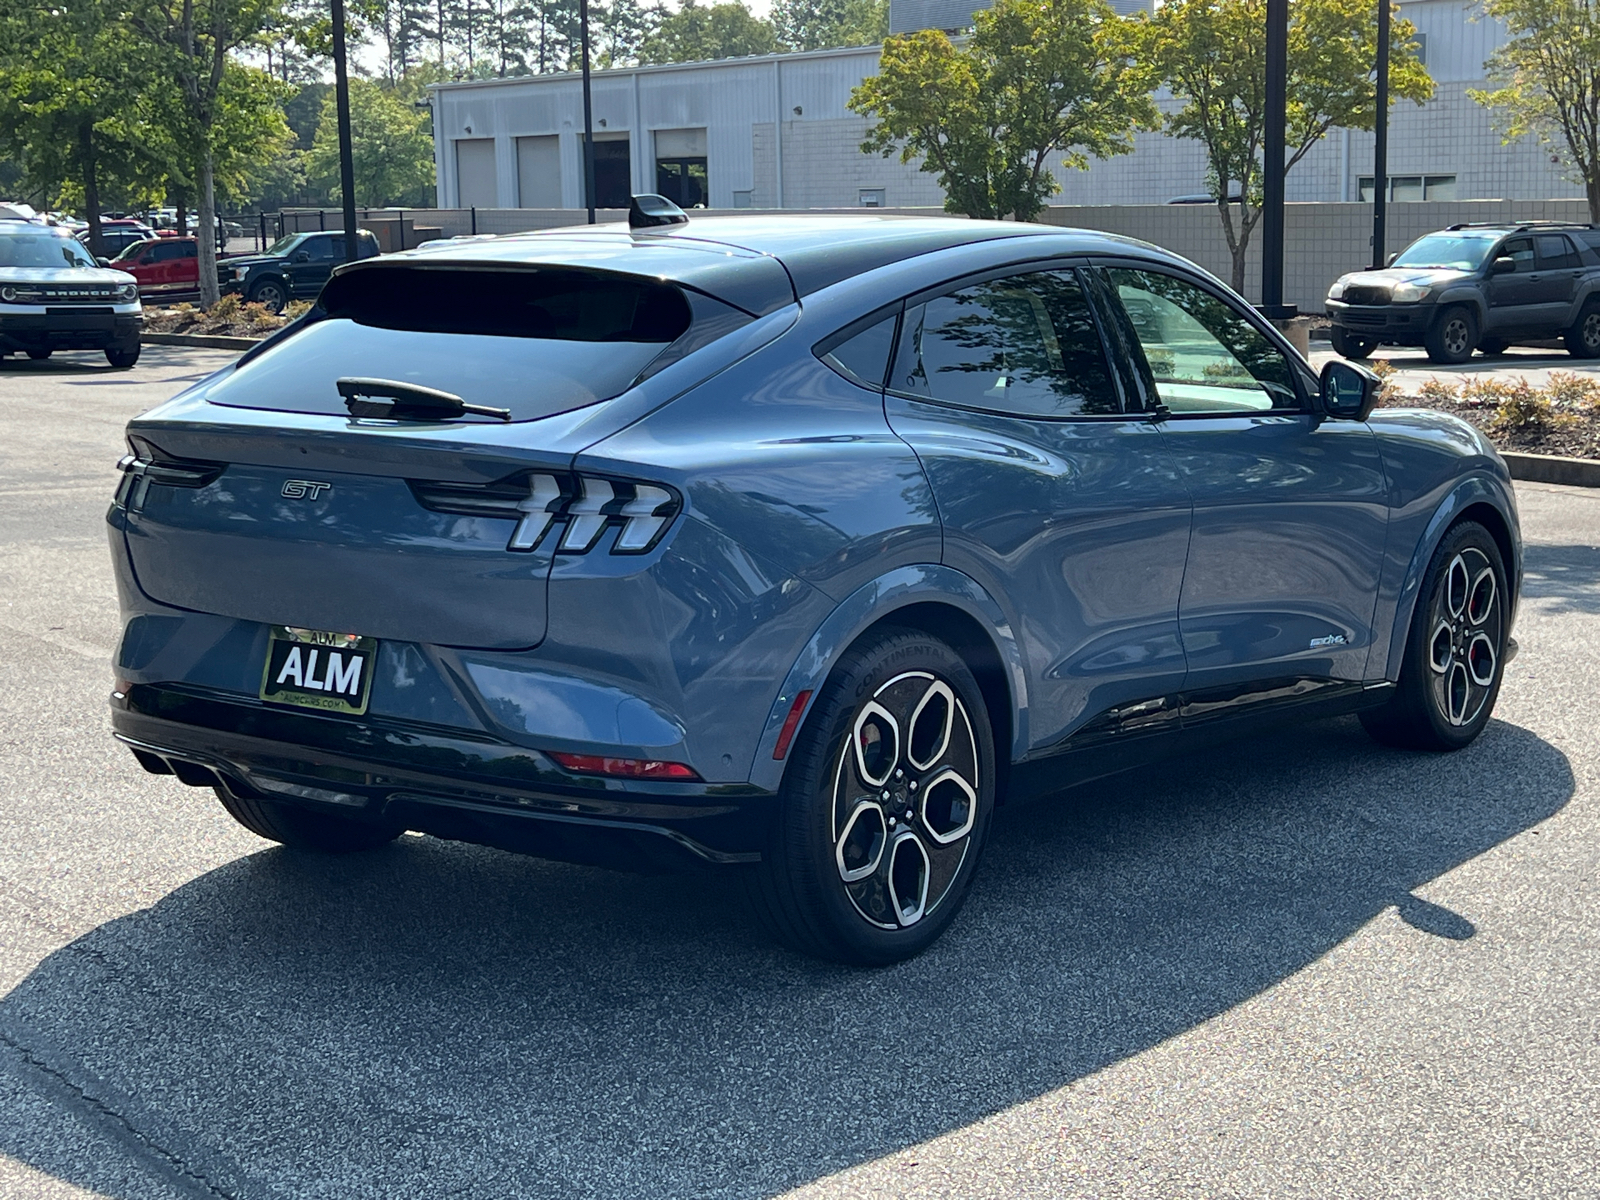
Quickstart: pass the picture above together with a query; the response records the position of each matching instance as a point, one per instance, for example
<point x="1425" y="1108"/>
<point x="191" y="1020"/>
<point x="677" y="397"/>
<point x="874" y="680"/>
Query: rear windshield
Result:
<point x="536" y="341"/>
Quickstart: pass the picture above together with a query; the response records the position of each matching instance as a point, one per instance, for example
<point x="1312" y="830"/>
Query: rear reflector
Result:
<point x="626" y="768"/>
<point x="790" y="724"/>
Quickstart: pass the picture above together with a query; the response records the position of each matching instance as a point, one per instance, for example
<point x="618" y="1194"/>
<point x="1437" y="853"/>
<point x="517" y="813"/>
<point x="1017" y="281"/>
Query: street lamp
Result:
<point x="347" y="169"/>
<point x="1275" y="138"/>
<point x="588" y="111"/>
<point x="1380" y="143"/>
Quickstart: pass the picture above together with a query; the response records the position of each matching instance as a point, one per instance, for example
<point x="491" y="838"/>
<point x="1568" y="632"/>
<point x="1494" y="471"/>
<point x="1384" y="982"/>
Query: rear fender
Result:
<point x="866" y="607"/>
<point x="1477" y="489"/>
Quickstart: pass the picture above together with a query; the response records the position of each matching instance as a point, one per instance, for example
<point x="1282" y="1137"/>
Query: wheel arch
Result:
<point x="1474" y="499"/>
<point x="935" y="600"/>
<point x="1462" y="297"/>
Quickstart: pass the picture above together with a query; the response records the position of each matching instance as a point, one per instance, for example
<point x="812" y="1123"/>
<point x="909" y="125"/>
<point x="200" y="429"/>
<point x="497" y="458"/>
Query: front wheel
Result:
<point x="1349" y="345"/>
<point x="1452" y="336"/>
<point x="122" y="359"/>
<point x="1455" y="652"/>
<point x="1583" y="339"/>
<point x="270" y="294"/>
<point x="885" y="805"/>
<point x="302" y="828"/>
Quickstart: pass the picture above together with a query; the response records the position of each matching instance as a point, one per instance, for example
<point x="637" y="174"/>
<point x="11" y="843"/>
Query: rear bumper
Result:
<point x="70" y="331"/>
<point x="1402" y="324"/>
<point x="467" y="787"/>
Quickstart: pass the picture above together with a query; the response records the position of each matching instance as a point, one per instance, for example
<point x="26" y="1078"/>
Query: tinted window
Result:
<point x="1204" y="354"/>
<point x="1519" y="251"/>
<point x="1025" y="345"/>
<point x="863" y="357"/>
<point x="1555" y="252"/>
<point x="538" y="342"/>
<point x="165" y="252"/>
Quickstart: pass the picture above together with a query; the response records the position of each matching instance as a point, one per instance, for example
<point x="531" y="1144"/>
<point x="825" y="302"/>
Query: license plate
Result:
<point x="311" y="668"/>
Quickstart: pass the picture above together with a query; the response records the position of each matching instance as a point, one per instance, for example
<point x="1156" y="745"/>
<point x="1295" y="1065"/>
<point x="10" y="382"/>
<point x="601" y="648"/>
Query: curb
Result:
<point x="1551" y="468"/>
<point x="208" y="341"/>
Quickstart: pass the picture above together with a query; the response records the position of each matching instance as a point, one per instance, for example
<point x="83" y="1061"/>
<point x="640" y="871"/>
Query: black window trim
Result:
<point x="1074" y="264"/>
<point x="1306" y="386"/>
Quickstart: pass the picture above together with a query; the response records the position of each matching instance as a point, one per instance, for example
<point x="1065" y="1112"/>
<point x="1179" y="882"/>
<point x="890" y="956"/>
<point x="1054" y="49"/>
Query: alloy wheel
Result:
<point x="905" y="800"/>
<point x="1466" y="619"/>
<point x="1590" y="332"/>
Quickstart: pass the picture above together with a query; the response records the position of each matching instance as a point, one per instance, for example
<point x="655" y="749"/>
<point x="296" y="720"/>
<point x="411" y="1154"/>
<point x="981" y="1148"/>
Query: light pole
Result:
<point x="1380" y="144"/>
<point x="347" y="169"/>
<point x="1275" y="138"/>
<point x="588" y="111"/>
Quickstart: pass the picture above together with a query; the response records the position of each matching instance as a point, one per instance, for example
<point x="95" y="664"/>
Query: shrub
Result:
<point x="1571" y="391"/>
<point x="225" y="309"/>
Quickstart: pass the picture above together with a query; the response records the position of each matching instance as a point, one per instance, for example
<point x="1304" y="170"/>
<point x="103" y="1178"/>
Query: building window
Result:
<point x="741" y="199"/>
<point x="1419" y="44"/>
<point x="611" y="186"/>
<point x="681" y="174"/>
<point x="1409" y="188"/>
<point x="870" y="197"/>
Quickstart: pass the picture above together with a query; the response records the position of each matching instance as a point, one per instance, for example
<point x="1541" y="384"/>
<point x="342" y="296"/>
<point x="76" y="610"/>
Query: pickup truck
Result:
<point x="1476" y="287"/>
<point x="167" y="268"/>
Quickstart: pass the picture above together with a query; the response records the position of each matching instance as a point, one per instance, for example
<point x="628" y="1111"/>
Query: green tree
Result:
<point x="824" y="24"/>
<point x="1040" y="80"/>
<point x="390" y="146"/>
<point x="697" y="33"/>
<point x="1549" y="77"/>
<point x="1212" y="54"/>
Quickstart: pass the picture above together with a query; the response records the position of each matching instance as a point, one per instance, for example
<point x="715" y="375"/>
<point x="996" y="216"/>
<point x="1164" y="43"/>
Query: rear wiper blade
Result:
<point x="408" y="401"/>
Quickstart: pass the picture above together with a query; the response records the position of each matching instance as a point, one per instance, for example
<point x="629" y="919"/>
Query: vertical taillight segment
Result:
<point x="575" y="510"/>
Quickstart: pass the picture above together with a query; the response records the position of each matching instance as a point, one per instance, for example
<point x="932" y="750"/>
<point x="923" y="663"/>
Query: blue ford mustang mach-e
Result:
<point x="790" y="545"/>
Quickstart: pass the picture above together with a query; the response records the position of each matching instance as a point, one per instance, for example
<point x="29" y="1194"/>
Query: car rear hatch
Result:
<point x="317" y="485"/>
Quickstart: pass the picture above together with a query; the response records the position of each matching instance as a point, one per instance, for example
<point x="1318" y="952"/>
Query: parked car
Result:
<point x="793" y="545"/>
<point x="1476" y="287"/>
<point x="167" y="268"/>
<point x="293" y="268"/>
<point x="54" y="296"/>
<point x="117" y="235"/>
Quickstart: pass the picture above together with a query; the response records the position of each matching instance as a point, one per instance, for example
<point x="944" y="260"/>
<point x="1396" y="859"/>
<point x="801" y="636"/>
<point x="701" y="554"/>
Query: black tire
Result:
<point x="1452" y="336"/>
<point x="39" y="355"/>
<point x="1460" y="622"/>
<point x="302" y="829"/>
<point x="831" y="881"/>
<point x="1583" y="339"/>
<point x="1349" y="345"/>
<point x="271" y="294"/>
<point x="122" y="359"/>
<point x="1492" y="346"/>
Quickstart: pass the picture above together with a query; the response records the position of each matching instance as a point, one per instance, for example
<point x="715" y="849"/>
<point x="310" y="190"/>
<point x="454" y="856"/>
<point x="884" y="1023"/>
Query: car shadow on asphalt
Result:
<point x="435" y="1018"/>
<point x="1562" y="578"/>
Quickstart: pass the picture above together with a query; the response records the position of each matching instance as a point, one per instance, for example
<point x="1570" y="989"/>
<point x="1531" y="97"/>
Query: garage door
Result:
<point x="475" y="174"/>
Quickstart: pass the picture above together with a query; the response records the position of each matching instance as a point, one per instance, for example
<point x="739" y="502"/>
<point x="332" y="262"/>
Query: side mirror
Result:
<point x="1349" y="392"/>
<point x="1389" y="262"/>
<point x="104" y="262"/>
<point x="303" y="256"/>
<point x="1504" y="265"/>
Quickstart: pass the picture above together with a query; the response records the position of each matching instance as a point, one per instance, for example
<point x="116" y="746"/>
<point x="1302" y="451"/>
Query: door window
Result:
<point x="165" y="252"/>
<point x="1024" y="345"/>
<point x="1555" y="252"/>
<point x="1205" y="355"/>
<point x="1519" y="251"/>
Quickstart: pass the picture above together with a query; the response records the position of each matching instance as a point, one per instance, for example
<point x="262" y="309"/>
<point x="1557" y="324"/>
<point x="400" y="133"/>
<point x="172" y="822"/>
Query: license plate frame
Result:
<point x="296" y="657"/>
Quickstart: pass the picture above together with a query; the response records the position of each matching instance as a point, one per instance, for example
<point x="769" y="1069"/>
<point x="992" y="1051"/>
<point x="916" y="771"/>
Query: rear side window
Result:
<point x="1024" y="345"/>
<point x="861" y="355"/>
<point x="537" y="341"/>
<point x="1555" y="252"/>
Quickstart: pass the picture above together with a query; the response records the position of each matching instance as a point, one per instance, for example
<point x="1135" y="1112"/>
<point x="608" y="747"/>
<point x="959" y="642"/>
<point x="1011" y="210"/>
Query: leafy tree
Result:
<point x="1039" y="79"/>
<point x="1549" y="77"/>
<point x="1212" y="54"/>
<point x="697" y="33"/>
<point x="824" y="24"/>
<point x="623" y="28"/>
<point x="390" y="146"/>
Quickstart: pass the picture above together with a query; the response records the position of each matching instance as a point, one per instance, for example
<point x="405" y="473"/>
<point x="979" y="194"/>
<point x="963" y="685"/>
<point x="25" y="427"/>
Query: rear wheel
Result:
<point x="1349" y="345"/>
<point x="303" y="829"/>
<point x="270" y="294"/>
<point x="39" y="355"/>
<point x="1583" y="339"/>
<point x="1452" y="336"/>
<point x="1455" y="652"/>
<point x="122" y="359"/>
<point x="885" y="805"/>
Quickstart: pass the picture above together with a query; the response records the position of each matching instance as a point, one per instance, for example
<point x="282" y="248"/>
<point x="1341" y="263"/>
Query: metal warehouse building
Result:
<point x="774" y="132"/>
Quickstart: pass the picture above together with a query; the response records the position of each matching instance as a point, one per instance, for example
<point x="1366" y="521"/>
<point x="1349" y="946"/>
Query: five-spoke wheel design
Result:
<point x="905" y="799"/>
<point x="1465" y="619"/>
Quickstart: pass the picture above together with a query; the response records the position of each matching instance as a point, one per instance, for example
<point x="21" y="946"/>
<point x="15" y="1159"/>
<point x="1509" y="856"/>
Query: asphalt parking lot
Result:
<point x="1299" y="966"/>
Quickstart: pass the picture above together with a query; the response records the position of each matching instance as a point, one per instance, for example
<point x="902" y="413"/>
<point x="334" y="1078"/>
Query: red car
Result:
<point x="166" y="267"/>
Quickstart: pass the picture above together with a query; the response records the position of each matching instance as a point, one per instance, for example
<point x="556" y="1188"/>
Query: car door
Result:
<point x="1514" y="296"/>
<point x="311" y="264"/>
<point x="163" y="260"/>
<point x="1557" y="278"/>
<point x="1066" y="506"/>
<point x="186" y="267"/>
<point x="1290" y="509"/>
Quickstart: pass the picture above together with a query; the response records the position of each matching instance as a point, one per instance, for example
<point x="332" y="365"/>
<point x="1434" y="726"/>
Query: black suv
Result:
<point x="1476" y="287"/>
<point x="292" y="268"/>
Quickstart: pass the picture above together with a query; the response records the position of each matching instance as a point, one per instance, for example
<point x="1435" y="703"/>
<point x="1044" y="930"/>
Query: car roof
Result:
<point x="759" y="263"/>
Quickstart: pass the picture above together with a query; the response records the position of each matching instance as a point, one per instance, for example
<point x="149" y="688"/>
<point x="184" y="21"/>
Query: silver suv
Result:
<point x="54" y="296"/>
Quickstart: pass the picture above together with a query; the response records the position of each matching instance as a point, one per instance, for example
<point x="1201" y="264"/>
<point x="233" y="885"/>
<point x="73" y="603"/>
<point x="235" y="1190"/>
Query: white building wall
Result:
<point x="752" y="108"/>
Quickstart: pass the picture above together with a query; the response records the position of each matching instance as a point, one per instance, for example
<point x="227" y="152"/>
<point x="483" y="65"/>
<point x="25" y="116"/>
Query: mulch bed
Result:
<point x="227" y="318"/>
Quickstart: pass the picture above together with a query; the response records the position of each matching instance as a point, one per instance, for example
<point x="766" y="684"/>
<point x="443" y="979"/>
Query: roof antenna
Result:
<point x="649" y="210"/>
